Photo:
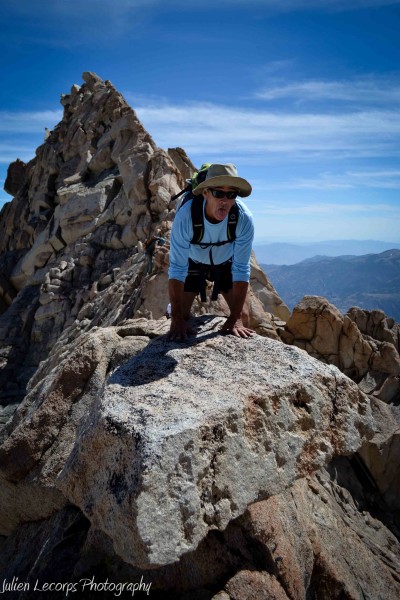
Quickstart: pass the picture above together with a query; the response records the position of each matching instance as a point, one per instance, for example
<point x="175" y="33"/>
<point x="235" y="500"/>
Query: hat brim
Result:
<point x="239" y="183"/>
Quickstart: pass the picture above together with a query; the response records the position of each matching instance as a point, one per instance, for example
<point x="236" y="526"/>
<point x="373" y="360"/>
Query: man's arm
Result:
<point x="240" y="274"/>
<point x="178" y="266"/>
<point x="179" y="321"/>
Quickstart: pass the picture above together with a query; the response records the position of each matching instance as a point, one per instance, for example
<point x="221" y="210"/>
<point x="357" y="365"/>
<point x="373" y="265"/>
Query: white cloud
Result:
<point x="247" y="136"/>
<point x="315" y="209"/>
<point x="22" y="132"/>
<point x="9" y="152"/>
<point x="318" y="220"/>
<point x="28" y="122"/>
<point x="210" y="129"/>
<point x="375" y="174"/>
<point x="337" y="225"/>
<point x="371" y="91"/>
<point x="389" y="180"/>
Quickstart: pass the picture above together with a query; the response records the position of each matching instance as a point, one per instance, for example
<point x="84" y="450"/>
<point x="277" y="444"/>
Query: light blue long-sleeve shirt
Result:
<point x="240" y="250"/>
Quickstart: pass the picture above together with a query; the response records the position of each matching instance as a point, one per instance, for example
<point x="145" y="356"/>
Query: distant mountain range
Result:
<point x="289" y="253"/>
<point x="370" y="281"/>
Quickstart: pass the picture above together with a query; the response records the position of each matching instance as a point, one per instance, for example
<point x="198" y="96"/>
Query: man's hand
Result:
<point x="179" y="330"/>
<point x="236" y="327"/>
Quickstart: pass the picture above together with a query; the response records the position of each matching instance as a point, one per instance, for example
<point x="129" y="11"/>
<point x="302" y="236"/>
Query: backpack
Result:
<point x="197" y="210"/>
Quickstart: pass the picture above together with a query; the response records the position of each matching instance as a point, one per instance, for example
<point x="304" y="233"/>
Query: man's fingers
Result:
<point x="248" y="332"/>
<point x="242" y="332"/>
<point x="179" y="335"/>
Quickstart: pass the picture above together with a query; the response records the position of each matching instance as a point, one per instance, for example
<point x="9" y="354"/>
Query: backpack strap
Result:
<point x="197" y="219"/>
<point x="198" y="223"/>
<point x="232" y="222"/>
<point x="186" y="189"/>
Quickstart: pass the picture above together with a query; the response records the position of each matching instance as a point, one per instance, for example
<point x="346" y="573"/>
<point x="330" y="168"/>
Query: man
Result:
<point x="215" y="258"/>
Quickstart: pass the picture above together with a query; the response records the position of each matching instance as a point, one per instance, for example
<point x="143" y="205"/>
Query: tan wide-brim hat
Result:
<point x="224" y="175"/>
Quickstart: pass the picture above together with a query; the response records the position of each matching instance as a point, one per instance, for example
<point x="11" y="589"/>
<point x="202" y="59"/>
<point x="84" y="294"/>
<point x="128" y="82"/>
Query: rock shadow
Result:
<point x="153" y="363"/>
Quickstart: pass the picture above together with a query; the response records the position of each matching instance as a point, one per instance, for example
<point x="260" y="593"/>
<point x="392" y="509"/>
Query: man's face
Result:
<point x="218" y="208"/>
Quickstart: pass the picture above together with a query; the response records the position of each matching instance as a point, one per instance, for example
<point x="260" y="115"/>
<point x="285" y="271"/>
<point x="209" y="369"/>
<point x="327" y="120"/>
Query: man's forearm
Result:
<point x="179" y="321"/>
<point x="176" y="298"/>
<point x="239" y="292"/>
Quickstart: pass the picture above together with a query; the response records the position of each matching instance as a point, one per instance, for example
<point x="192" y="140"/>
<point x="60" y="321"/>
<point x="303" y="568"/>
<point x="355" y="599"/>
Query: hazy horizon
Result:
<point x="289" y="253"/>
<point x="270" y="241"/>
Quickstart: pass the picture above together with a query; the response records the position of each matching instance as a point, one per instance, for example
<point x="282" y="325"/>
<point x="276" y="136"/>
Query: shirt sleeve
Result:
<point x="181" y="235"/>
<point x="242" y="248"/>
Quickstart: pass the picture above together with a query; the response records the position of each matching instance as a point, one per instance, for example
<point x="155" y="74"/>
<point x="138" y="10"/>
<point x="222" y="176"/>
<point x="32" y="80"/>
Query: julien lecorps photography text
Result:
<point x="67" y="588"/>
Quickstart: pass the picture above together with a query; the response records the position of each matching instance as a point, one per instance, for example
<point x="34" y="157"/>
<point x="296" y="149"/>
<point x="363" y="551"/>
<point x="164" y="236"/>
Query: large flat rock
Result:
<point x="185" y="436"/>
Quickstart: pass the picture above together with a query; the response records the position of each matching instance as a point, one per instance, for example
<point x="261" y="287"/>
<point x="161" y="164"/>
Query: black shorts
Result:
<point x="199" y="273"/>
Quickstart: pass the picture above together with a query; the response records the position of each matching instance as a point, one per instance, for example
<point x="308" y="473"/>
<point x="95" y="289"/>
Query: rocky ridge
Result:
<point x="215" y="468"/>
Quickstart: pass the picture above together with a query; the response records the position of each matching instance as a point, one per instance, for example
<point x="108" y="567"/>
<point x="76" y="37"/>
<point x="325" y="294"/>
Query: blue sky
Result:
<point x="302" y="95"/>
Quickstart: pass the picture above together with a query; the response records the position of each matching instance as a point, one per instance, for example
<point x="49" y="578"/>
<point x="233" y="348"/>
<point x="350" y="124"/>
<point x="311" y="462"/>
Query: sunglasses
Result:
<point x="221" y="194"/>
